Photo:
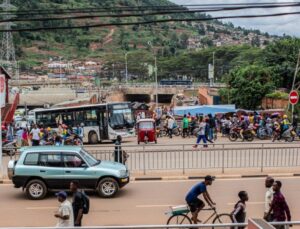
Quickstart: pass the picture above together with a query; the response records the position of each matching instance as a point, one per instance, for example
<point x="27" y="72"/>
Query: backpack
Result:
<point x="86" y="203"/>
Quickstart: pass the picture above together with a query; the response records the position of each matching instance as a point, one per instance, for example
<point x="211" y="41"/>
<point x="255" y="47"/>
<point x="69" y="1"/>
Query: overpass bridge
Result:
<point x="120" y="92"/>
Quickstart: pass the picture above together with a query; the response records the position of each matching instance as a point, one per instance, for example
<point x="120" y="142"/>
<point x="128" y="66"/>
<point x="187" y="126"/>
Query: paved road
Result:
<point x="141" y="202"/>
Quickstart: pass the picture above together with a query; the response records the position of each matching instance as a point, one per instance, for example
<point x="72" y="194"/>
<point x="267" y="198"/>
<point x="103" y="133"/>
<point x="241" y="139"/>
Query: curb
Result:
<point x="174" y="178"/>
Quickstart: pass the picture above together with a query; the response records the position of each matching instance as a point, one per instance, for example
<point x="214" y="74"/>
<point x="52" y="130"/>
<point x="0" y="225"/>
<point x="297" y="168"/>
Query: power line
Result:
<point x="148" y="8"/>
<point x="139" y="14"/>
<point x="36" y="29"/>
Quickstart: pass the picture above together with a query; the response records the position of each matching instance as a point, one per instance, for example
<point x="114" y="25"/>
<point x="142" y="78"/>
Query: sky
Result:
<point x="288" y="25"/>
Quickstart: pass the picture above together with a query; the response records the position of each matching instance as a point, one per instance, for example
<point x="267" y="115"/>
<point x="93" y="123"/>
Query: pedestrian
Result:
<point x="170" y="126"/>
<point x="279" y="206"/>
<point x="77" y="203"/>
<point x="185" y="126"/>
<point x="212" y="126"/>
<point x="25" y="137"/>
<point x="118" y="150"/>
<point x="35" y="132"/>
<point x="268" y="198"/>
<point x="207" y="129"/>
<point x="10" y="133"/>
<point x="65" y="212"/>
<point x="239" y="212"/>
<point x="201" y="133"/>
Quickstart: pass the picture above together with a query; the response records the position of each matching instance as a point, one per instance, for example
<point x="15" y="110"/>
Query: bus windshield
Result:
<point x="121" y="118"/>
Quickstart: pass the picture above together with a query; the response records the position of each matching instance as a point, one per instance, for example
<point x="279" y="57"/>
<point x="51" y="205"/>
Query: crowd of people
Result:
<point x="207" y="127"/>
<point x="39" y="135"/>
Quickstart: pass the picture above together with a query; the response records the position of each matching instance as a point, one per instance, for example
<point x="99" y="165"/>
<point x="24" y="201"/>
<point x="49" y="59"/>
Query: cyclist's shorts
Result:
<point x="196" y="204"/>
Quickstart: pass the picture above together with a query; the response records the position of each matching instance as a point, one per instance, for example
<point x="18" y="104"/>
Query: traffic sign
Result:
<point x="294" y="97"/>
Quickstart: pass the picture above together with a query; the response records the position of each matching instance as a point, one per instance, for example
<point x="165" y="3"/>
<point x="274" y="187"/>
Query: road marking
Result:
<point x="154" y="206"/>
<point x="248" y="203"/>
<point x="40" y="208"/>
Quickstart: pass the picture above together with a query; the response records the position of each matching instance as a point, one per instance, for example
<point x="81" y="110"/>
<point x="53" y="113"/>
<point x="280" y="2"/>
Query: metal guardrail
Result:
<point x="183" y="158"/>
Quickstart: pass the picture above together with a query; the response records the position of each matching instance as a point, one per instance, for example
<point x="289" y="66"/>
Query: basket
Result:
<point x="181" y="209"/>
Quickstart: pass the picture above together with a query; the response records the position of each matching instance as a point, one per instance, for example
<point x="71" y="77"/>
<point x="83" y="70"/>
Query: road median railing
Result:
<point x="183" y="158"/>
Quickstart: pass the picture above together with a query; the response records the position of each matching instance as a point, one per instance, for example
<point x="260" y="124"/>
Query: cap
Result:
<point x="61" y="194"/>
<point x="209" y="178"/>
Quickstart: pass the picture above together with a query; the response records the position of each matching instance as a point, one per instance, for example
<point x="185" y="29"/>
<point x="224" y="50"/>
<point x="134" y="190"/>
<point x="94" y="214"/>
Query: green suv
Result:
<point x="51" y="168"/>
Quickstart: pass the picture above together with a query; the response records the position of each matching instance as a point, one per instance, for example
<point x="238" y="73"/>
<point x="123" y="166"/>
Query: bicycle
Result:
<point x="180" y="215"/>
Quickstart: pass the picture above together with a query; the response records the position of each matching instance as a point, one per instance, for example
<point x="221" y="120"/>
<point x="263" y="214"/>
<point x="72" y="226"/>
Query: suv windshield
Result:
<point x="89" y="158"/>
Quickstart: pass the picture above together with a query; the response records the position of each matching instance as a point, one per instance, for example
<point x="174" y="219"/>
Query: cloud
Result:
<point x="274" y="25"/>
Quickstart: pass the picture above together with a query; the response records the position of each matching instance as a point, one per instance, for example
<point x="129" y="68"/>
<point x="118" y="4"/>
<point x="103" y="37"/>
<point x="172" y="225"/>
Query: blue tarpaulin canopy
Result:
<point x="204" y="110"/>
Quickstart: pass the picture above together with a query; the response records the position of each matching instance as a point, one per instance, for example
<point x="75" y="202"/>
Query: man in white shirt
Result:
<point x="170" y="126"/>
<point x="35" y="132"/>
<point x="65" y="211"/>
<point x="268" y="198"/>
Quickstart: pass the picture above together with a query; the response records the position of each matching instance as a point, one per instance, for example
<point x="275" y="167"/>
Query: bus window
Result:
<point x="68" y="118"/>
<point x="91" y="118"/>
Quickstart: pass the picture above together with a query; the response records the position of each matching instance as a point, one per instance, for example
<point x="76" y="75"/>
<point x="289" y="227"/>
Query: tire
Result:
<point x="179" y="219"/>
<point x="233" y="137"/>
<point x="107" y="187"/>
<point x="249" y="137"/>
<point x="290" y="139"/>
<point x="163" y="133"/>
<point x="93" y="138"/>
<point x="36" y="190"/>
<point x="176" y="132"/>
<point x="223" y="218"/>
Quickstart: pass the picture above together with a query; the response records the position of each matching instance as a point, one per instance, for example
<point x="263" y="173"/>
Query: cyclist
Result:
<point x="194" y="203"/>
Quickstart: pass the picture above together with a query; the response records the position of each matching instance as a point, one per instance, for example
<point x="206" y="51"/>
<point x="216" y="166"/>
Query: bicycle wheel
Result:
<point x="179" y="219"/>
<point x="223" y="219"/>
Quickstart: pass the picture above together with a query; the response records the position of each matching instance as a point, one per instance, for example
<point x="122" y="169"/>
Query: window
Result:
<point x="31" y="159"/>
<point x="50" y="160"/>
<point x="73" y="161"/>
<point x="146" y="125"/>
<point x="91" y="115"/>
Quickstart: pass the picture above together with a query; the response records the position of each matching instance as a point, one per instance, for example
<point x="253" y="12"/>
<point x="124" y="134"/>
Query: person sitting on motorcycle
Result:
<point x="277" y="130"/>
<point x="285" y="124"/>
<point x="243" y="124"/>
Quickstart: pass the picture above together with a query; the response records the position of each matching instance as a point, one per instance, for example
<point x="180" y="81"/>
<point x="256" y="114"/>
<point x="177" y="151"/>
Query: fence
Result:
<point x="184" y="158"/>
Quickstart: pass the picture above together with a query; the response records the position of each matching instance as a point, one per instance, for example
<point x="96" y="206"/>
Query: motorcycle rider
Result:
<point x="284" y="124"/>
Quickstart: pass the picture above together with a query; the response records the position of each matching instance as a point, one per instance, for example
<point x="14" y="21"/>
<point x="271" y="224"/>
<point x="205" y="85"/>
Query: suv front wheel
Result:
<point x="36" y="190"/>
<point x="107" y="187"/>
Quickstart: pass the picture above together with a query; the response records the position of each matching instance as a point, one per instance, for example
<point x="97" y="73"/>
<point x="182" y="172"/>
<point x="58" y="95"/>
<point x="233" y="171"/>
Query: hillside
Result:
<point x="35" y="48"/>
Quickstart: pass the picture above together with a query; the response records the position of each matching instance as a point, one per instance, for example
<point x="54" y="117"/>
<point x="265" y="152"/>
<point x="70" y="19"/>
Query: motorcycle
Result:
<point x="264" y="133"/>
<point x="288" y="135"/>
<point x="9" y="147"/>
<point x="234" y="134"/>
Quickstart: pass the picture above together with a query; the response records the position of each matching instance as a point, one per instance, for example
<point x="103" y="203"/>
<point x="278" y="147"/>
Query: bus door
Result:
<point x="103" y="124"/>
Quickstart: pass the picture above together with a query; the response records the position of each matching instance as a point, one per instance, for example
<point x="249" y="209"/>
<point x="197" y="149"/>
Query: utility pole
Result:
<point x="294" y="80"/>
<point x="126" y="68"/>
<point x="7" y="52"/>
<point x="156" y="80"/>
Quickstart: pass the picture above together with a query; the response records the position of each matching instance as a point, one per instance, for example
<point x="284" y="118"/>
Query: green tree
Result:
<point x="247" y="86"/>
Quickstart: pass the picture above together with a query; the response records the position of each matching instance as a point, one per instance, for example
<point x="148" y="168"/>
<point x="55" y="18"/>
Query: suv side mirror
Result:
<point x="84" y="165"/>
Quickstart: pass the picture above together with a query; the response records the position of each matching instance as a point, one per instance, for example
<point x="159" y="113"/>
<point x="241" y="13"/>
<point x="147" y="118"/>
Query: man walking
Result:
<point x="77" y="203"/>
<point x="279" y="206"/>
<point x="35" y="132"/>
<point x="170" y="125"/>
<point x="201" y="133"/>
<point x="65" y="211"/>
<point x="268" y="199"/>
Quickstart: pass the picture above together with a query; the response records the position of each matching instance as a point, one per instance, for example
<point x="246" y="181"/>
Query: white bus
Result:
<point x="100" y="121"/>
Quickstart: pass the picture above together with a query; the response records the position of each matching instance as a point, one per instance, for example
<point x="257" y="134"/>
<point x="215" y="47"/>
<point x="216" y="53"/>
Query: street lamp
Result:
<point x="155" y="71"/>
<point x="126" y="67"/>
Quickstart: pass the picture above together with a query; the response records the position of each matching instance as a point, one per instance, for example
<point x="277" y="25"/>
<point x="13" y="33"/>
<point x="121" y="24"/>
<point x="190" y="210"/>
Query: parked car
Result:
<point x="51" y="168"/>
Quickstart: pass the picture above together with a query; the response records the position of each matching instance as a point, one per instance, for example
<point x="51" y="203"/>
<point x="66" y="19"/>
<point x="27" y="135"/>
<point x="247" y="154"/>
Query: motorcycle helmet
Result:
<point x="285" y="116"/>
